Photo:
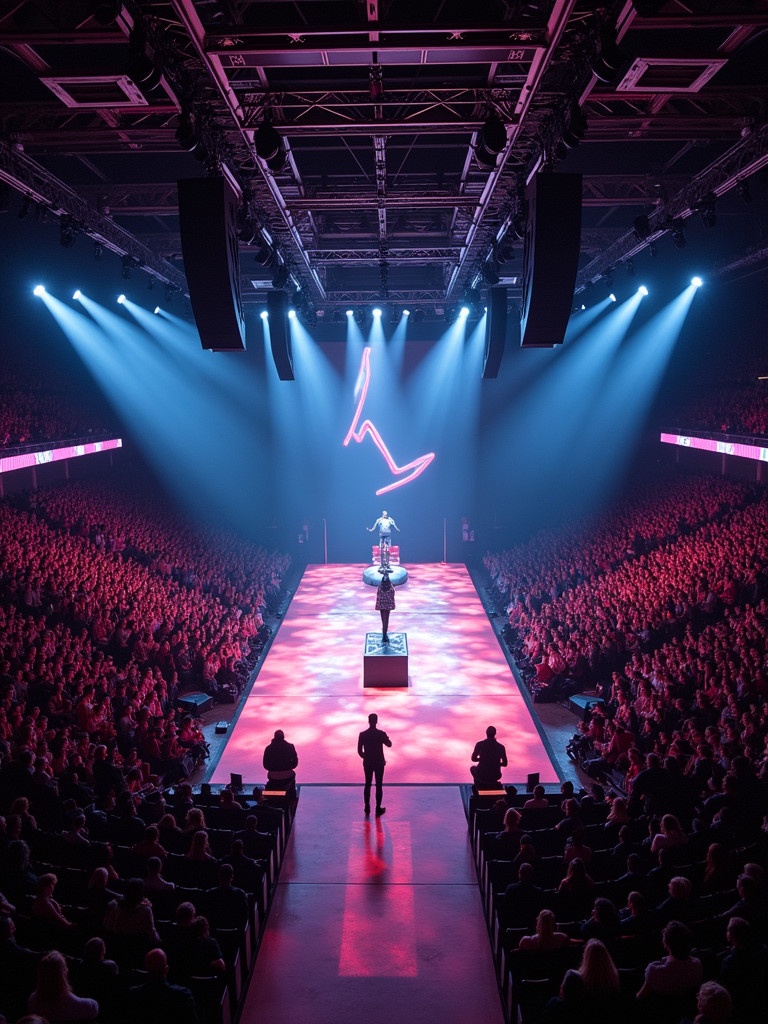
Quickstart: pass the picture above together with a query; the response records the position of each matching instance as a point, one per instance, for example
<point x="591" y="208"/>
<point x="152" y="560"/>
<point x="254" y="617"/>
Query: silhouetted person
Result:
<point x="370" y="746"/>
<point x="280" y="760"/>
<point x="491" y="757"/>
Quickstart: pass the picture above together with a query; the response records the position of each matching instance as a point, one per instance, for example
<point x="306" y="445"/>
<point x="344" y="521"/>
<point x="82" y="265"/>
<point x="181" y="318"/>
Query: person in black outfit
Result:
<point x="157" y="1001"/>
<point x="385" y="603"/>
<point x="370" y="747"/>
<point x="280" y="760"/>
<point x="491" y="757"/>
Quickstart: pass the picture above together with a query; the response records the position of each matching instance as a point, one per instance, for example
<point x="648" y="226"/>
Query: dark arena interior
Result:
<point x="383" y="526"/>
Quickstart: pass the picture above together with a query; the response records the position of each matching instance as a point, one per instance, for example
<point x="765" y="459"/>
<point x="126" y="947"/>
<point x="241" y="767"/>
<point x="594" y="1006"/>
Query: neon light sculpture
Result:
<point x="412" y="469"/>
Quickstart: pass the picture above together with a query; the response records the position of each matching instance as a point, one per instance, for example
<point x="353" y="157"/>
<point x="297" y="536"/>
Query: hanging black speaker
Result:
<point x="551" y="259"/>
<point x="495" y="332"/>
<point x="280" y="334"/>
<point x="209" y="245"/>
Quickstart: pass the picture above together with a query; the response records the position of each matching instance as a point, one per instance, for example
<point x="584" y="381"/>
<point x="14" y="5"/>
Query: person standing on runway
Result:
<point x="370" y="747"/>
<point x="385" y="603"/>
<point x="385" y="525"/>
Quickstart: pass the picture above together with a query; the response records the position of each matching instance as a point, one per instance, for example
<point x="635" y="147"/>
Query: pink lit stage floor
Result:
<point x="311" y="685"/>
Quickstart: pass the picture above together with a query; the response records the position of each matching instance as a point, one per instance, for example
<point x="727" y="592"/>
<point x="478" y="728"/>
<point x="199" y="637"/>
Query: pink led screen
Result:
<point x="28" y="459"/>
<point x="708" y="444"/>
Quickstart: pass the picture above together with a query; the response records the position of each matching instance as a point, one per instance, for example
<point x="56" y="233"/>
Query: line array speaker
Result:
<point x="209" y="245"/>
<point x="280" y="334"/>
<point x="551" y="259"/>
<point x="495" y="332"/>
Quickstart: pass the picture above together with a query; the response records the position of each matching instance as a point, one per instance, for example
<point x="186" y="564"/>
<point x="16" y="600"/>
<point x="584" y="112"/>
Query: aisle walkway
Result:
<point x="376" y="921"/>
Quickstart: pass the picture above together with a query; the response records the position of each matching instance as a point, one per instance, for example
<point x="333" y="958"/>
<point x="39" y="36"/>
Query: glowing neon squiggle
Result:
<point x="413" y="469"/>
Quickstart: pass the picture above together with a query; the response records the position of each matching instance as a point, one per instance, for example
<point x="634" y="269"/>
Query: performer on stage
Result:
<point x="385" y="603"/>
<point x="384" y="524"/>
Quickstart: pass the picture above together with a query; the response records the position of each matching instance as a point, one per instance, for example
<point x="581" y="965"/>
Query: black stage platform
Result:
<point x="385" y="664"/>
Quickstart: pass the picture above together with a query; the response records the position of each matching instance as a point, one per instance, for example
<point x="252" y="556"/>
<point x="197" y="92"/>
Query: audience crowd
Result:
<point x="36" y="408"/>
<point x="659" y="610"/>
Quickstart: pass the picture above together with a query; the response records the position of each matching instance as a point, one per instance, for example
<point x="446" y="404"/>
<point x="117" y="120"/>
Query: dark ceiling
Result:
<point x="406" y="131"/>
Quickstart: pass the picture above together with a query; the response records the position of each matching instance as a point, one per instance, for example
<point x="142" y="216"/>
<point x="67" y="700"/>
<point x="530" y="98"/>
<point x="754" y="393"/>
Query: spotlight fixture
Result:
<point x="26" y="206"/>
<point x="696" y="282"/>
<point x="630" y="268"/>
<point x="612" y="297"/>
<point x="742" y="190"/>
<point x="269" y="146"/>
<point x="280" y="276"/>
<point x="291" y="314"/>
<point x="142" y="69"/>
<point x="350" y="312"/>
<point x="491" y="140"/>
<point x="677" y="230"/>
<point x="419" y="315"/>
<point x="156" y="310"/>
<point x="128" y="262"/>
<point x="652" y="250"/>
<point x="68" y="232"/>
<point x="39" y="290"/>
<point x="406" y="312"/>
<point x="120" y="299"/>
<point x="490" y="271"/>
<point x="264" y="314"/>
<point x="576" y="128"/>
<point x="609" y="60"/>
<point x="376" y="312"/>
<point x="706" y="210"/>
<point x="186" y="136"/>
<point x="98" y="250"/>
<point x="464" y="312"/>
<point x="642" y="290"/>
<point x="78" y="294"/>
<point x="641" y="227"/>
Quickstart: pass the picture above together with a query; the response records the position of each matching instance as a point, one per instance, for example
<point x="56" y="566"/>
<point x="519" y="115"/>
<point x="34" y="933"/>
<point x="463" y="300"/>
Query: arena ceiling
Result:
<point x="382" y="148"/>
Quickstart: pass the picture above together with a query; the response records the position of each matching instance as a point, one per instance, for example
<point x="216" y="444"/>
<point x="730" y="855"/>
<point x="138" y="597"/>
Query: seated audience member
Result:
<point x="538" y="802"/>
<point x="226" y="906"/>
<point x="45" y="908"/>
<point x="601" y="982"/>
<point x="280" y="762"/>
<point x="523" y="899"/>
<point x="97" y="978"/>
<point x="636" y="918"/>
<point x="678" y="975"/>
<point x="157" y="1001"/>
<point x="53" y="997"/>
<point x="713" y="1004"/>
<point x="744" y="972"/>
<point x="547" y="936"/>
<point x="603" y="923"/>
<point x="153" y="880"/>
<point x="671" y="836"/>
<point x="570" y="1006"/>
<point x="132" y="916"/>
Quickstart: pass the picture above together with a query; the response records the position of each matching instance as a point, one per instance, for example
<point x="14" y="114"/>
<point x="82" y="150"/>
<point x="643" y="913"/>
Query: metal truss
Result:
<point x="745" y="158"/>
<point x="31" y="180"/>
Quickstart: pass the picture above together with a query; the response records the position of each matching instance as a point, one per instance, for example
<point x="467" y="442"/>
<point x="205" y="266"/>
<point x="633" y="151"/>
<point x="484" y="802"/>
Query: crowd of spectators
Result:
<point x="741" y="409"/>
<point x="106" y="616"/>
<point x="36" y="408"/>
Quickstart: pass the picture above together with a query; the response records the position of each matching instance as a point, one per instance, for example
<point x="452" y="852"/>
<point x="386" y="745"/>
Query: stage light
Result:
<point x="350" y="312"/>
<point x="642" y="290"/>
<point x="582" y="307"/>
<point x="406" y="312"/>
<point x="264" y="314"/>
<point x="376" y="311"/>
<point x="291" y="314"/>
<point x="120" y="299"/>
<point x="39" y="289"/>
<point x="419" y="315"/>
<point x="78" y="294"/>
<point x="612" y="297"/>
<point x="696" y="282"/>
<point x="464" y="312"/>
<point x="156" y="310"/>
<point x="491" y="140"/>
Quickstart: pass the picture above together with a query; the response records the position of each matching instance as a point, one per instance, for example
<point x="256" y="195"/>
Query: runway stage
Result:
<point x="311" y="685"/>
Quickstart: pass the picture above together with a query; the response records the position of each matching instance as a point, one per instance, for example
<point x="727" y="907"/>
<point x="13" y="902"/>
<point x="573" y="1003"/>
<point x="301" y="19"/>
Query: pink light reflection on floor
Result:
<point x="378" y="927"/>
<point x="311" y="684"/>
